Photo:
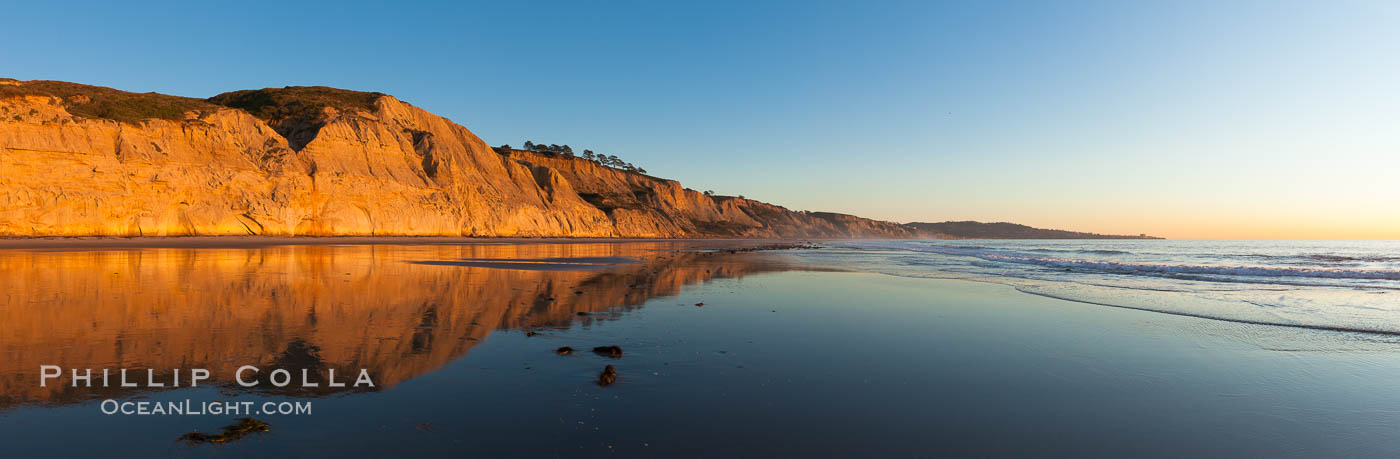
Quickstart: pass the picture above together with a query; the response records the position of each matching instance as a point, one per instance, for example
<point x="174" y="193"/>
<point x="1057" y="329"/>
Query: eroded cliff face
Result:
<point x="644" y="205"/>
<point x="380" y="167"/>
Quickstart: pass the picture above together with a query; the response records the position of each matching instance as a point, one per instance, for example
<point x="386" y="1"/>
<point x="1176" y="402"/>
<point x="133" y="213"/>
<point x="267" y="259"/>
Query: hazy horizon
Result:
<point x="1188" y="120"/>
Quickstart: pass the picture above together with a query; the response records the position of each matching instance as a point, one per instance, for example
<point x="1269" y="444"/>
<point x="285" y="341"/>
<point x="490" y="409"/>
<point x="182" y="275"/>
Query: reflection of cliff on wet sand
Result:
<point x="390" y="309"/>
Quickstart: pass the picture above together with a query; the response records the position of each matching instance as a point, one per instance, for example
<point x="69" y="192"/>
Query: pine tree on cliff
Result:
<point x="529" y="145"/>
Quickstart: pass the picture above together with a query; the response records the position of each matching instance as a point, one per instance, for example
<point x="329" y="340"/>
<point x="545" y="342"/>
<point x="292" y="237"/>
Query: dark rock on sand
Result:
<point x="699" y="304"/>
<point x="248" y="426"/>
<point x="610" y="351"/>
<point x="608" y="375"/>
<point x="566" y="350"/>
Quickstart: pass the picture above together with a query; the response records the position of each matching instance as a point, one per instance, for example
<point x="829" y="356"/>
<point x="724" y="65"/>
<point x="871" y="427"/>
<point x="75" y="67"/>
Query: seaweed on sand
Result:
<point x="237" y="431"/>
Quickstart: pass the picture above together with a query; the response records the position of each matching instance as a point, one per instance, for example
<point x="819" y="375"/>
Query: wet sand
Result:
<point x="779" y="361"/>
<point x="227" y="242"/>
<point x="538" y="264"/>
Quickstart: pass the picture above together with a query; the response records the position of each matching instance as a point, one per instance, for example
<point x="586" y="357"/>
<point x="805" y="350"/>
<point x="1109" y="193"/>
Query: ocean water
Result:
<point x="1351" y="286"/>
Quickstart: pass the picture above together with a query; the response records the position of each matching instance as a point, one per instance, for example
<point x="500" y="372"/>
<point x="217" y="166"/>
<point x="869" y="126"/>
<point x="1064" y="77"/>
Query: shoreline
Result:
<point x="236" y="242"/>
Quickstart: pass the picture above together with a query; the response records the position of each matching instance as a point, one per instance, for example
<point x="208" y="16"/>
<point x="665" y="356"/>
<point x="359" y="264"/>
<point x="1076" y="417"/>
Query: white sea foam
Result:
<point x="1152" y="268"/>
<point x="1349" y="286"/>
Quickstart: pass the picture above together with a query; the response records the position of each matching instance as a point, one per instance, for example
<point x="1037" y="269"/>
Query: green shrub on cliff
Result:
<point x="307" y="102"/>
<point x="106" y="103"/>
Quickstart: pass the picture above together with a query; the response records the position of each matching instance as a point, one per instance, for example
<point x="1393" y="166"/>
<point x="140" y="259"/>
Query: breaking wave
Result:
<point x="1165" y="269"/>
<point x="1345" y="286"/>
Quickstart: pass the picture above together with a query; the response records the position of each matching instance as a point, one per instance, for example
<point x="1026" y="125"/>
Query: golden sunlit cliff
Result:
<point x="83" y="160"/>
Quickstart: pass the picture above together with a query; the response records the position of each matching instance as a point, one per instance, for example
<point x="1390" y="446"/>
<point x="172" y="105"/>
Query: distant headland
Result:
<point x="1003" y="230"/>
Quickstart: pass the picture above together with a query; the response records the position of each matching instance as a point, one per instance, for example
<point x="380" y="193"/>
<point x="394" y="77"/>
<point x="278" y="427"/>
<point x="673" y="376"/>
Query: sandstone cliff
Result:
<point x="79" y="160"/>
<point x="645" y="205"/>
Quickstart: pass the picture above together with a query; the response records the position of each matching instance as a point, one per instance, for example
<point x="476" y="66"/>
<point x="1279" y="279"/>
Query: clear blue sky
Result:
<point x="1180" y="118"/>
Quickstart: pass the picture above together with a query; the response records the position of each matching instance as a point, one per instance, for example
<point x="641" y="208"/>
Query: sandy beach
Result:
<point x="755" y="353"/>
